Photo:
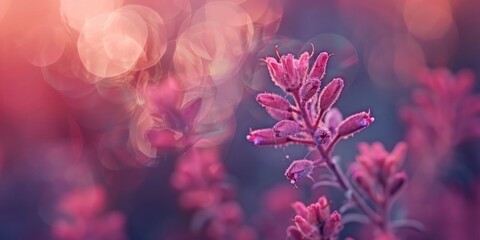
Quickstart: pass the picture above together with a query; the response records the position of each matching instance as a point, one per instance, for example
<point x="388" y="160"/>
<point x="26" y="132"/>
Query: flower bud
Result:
<point x="300" y="209"/>
<point x="302" y="66"/>
<point x="330" y="94"/>
<point x="298" y="169"/>
<point x="305" y="227"/>
<point x="320" y="66"/>
<point x="333" y="118"/>
<point x="273" y="101"/>
<point x="333" y="225"/>
<point x="292" y="79"/>
<point x="279" y="114"/>
<point x="309" y="89"/>
<point x="265" y="137"/>
<point x="277" y="72"/>
<point x="397" y="182"/>
<point x="286" y="128"/>
<point x="321" y="136"/>
<point x="294" y="234"/>
<point x="354" y="124"/>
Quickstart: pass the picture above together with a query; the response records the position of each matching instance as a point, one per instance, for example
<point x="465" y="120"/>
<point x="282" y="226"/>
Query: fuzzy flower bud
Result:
<point x="354" y="124"/>
<point x="286" y="128"/>
<point x="277" y="72"/>
<point x="321" y="136"/>
<point x="333" y="118"/>
<point x="293" y="80"/>
<point x="299" y="169"/>
<point x="302" y="66"/>
<point x="265" y="137"/>
<point x="309" y="89"/>
<point x="320" y="66"/>
<point x="397" y="182"/>
<point x="333" y="225"/>
<point x="279" y="114"/>
<point x="305" y="227"/>
<point x="273" y="101"/>
<point x="330" y="94"/>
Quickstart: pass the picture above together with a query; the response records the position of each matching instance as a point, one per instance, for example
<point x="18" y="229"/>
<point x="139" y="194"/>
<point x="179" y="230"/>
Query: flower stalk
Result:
<point x="313" y="122"/>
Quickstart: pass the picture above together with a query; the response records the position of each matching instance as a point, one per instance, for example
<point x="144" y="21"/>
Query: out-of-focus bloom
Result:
<point x="443" y="113"/>
<point x="376" y="170"/>
<point x="315" y="222"/>
<point x="200" y="179"/>
<point x="84" y="217"/>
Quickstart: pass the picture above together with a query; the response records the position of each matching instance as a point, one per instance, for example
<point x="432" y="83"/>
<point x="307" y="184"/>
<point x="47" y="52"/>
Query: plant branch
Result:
<point x="345" y="184"/>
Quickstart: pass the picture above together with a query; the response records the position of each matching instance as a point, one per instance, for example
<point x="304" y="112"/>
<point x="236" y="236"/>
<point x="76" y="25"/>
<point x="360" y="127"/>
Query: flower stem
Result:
<point x="345" y="184"/>
<point x="333" y="166"/>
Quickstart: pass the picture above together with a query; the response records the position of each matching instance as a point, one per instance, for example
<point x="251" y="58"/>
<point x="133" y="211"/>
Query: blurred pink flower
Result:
<point x="82" y="216"/>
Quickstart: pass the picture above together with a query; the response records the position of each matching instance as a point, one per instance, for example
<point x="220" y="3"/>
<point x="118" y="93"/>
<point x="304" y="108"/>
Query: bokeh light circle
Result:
<point x="110" y="44"/>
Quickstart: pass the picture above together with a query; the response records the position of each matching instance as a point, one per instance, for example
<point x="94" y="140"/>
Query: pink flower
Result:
<point x="377" y="169"/>
<point x="315" y="222"/>
<point x="290" y="73"/>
